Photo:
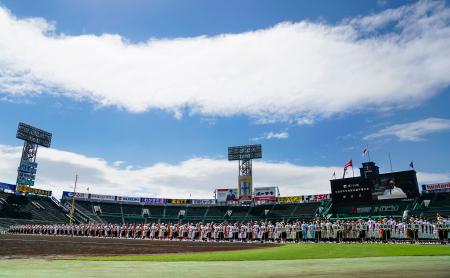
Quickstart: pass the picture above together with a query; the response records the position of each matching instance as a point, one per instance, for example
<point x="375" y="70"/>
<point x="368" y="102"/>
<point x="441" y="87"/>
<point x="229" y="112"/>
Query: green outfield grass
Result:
<point x="294" y="252"/>
<point x="403" y="266"/>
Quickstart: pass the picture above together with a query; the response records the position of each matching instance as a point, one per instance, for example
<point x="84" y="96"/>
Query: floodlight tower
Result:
<point x="245" y="154"/>
<point x="32" y="137"/>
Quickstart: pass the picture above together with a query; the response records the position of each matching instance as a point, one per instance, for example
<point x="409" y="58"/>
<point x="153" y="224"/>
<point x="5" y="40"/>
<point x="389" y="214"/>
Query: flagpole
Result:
<point x="390" y="161"/>
<point x="72" y="208"/>
<point x="368" y="152"/>
<point x="353" y="172"/>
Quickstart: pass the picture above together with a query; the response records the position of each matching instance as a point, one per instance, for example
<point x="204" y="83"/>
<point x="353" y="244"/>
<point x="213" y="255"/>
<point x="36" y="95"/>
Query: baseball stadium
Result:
<point x="238" y="138"/>
<point x="359" y="227"/>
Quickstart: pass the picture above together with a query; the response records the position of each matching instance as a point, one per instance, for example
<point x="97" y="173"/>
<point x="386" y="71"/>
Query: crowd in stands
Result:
<point x="381" y="230"/>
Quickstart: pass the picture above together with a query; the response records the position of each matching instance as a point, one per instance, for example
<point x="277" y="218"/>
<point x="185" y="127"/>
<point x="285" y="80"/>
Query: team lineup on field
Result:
<point x="352" y="231"/>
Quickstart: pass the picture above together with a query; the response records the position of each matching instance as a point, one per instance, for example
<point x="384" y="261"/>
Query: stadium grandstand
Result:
<point x="120" y="212"/>
<point x="20" y="208"/>
<point x="370" y="195"/>
<point x="30" y="209"/>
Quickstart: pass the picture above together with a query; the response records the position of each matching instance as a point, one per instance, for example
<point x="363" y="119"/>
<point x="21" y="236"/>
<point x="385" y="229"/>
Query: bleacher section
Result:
<point x="258" y="212"/>
<point x="172" y="212"/>
<point x="156" y="211"/>
<point x="195" y="213"/>
<point x="430" y="204"/>
<point x="128" y="209"/>
<point x="306" y="210"/>
<point x="281" y="212"/>
<point x="216" y="213"/>
<point x="379" y="209"/>
<point x="18" y="209"/>
<point x="15" y="209"/>
<point x="117" y="212"/>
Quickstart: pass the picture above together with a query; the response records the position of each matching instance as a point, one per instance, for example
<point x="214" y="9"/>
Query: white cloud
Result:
<point x="289" y="72"/>
<point x="118" y="163"/>
<point x="427" y="178"/>
<point x="198" y="176"/>
<point x="272" y="135"/>
<point x="413" y="131"/>
<point x="280" y="135"/>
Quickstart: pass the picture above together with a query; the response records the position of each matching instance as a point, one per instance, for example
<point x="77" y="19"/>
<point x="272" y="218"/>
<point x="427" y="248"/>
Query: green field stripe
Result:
<point x="425" y="266"/>
<point x="294" y="252"/>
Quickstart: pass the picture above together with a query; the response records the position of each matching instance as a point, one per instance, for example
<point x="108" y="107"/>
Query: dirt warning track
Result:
<point x="35" y="246"/>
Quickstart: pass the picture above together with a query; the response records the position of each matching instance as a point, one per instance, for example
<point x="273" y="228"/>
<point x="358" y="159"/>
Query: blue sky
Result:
<point x="173" y="83"/>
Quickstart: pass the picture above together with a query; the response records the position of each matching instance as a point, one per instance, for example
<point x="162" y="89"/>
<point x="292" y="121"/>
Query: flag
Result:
<point x="365" y="151"/>
<point x="349" y="164"/>
<point x="411" y="164"/>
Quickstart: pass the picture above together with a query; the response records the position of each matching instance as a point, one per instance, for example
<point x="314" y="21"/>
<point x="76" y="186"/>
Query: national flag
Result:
<point x="349" y="164"/>
<point x="411" y="164"/>
<point x="365" y="151"/>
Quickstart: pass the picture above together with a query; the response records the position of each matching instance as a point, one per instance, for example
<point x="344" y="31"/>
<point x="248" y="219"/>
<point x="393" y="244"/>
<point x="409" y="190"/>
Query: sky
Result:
<point x="144" y="97"/>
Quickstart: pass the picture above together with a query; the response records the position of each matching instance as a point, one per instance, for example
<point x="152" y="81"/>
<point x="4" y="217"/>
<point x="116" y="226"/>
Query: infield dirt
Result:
<point x="39" y="246"/>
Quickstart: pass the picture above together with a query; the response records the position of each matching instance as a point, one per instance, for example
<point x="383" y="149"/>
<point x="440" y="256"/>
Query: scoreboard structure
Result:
<point x="32" y="137"/>
<point x="245" y="155"/>
<point x="372" y="186"/>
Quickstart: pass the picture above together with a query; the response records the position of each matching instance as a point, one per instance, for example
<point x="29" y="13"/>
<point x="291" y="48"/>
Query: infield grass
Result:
<point x="294" y="252"/>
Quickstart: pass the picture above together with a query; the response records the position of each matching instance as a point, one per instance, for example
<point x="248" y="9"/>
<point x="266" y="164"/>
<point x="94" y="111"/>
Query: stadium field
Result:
<point x="295" y="252"/>
<point x="406" y="266"/>
<point x="342" y="260"/>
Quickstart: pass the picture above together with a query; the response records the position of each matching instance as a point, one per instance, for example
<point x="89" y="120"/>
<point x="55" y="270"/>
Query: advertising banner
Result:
<point x="178" y="201"/>
<point x="226" y="195"/>
<point x="437" y="187"/>
<point x="25" y="175"/>
<point x="265" y="193"/>
<point x="36" y="191"/>
<point x="69" y="195"/>
<point x="27" y="166"/>
<point x="7" y="186"/>
<point x="375" y="209"/>
<point x="245" y="188"/>
<point x="102" y="197"/>
<point x="27" y="169"/>
<point x="154" y="200"/>
<point x="128" y="199"/>
<point x="22" y="181"/>
<point x="290" y="199"/>
<point x="320" y="197"/>
<point x="203" y="201"/>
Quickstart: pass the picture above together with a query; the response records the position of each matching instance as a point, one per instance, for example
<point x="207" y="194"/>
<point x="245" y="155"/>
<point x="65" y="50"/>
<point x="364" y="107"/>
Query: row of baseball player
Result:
<point x="370" y="229"/>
